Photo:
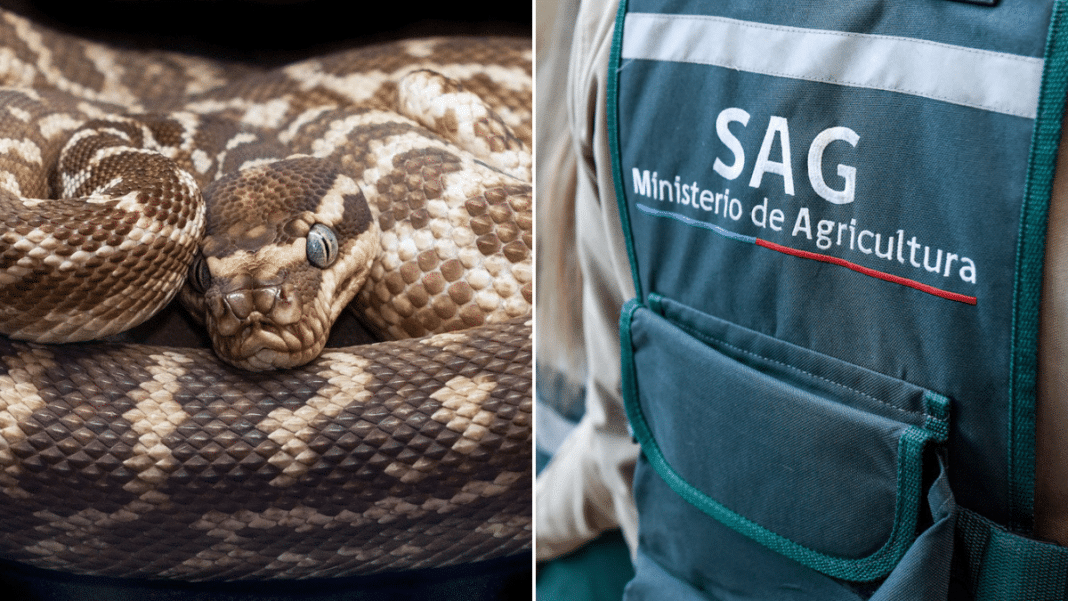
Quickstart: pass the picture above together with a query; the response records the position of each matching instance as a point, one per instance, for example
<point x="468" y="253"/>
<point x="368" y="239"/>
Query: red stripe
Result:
<point x="971" y="300"/>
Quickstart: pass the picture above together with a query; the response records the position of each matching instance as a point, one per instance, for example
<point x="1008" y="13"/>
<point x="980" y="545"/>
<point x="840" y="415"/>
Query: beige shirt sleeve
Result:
<point x="586" y="488"/>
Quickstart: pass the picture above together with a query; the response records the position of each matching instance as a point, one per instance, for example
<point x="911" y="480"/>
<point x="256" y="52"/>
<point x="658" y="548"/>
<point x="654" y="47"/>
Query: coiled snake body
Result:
<point x="405" y="165"/>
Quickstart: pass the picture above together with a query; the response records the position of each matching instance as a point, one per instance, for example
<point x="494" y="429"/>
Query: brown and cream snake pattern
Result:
<point x="396" y="177"/>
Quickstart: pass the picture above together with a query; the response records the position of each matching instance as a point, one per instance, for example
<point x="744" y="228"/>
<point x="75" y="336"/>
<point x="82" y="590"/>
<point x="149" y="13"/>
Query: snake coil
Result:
<point x="396" y="177"/>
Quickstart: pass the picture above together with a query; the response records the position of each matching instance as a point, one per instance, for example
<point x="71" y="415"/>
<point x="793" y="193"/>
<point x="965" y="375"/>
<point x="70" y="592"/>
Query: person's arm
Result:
<point x="586" y="488"/>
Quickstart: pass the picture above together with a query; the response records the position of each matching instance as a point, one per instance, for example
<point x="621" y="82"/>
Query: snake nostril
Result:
<point x="240" y="303"/>
<point x="264" y="298"/>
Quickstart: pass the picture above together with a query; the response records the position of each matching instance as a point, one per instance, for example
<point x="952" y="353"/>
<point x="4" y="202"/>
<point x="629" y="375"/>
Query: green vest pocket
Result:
<point x="817" y="459"/>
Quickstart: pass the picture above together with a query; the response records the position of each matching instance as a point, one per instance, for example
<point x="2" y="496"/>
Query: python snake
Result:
<point x="155" y="461"/>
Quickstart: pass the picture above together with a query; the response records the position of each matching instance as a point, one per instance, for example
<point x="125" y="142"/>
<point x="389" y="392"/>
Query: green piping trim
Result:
<point x="656" y="303"/>
<point x="613" y="140"/>
<point x="875" y="566"/>
<point x="1027" y="286"/>
<point x="936" y="407"/>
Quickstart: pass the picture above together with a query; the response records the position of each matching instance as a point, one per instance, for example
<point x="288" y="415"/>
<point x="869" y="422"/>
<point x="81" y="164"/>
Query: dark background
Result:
<point x="272" y="32"/>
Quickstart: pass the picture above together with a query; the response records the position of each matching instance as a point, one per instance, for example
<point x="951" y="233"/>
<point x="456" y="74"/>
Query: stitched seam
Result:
<point x="1001" y="108"/>
<point x="710" y="340"/>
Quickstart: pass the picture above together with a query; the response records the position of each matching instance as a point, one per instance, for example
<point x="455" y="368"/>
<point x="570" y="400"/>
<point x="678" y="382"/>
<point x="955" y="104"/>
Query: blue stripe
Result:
<point x="697" y="223"/>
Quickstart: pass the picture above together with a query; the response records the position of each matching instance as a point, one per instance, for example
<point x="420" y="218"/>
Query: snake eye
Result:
<point x="200" y="275"/>
<point x="322" y="246"/>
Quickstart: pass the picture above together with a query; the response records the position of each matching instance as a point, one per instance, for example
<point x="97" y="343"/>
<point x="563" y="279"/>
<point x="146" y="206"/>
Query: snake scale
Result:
<point x="405" y="170"/>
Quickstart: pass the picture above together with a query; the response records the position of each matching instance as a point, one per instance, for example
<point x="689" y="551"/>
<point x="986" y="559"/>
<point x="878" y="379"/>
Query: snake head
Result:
<point x="288" y="245"/>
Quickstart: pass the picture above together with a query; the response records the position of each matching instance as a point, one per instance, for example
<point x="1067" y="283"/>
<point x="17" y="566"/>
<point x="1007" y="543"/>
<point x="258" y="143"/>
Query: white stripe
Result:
<point x="993" y="81"/>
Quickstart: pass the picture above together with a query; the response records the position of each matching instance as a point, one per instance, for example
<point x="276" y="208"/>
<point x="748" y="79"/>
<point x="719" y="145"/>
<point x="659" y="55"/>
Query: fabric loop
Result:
<point x="999" y="564"/>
